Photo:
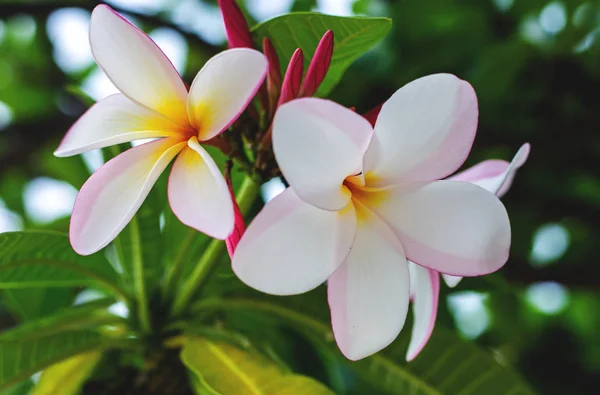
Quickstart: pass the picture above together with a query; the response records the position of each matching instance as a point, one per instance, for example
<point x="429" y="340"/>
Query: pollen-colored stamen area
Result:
<point x="363" y="196"/>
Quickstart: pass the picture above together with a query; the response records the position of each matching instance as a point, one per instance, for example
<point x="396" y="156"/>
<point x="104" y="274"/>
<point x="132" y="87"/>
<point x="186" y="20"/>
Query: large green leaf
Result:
<point x="31" y="303"/>
<point x="88" y="315"/>
<point x="221" y="368"/>
<point x="353" y="36"/>
<point x="447" y="365"/>
<point x="68" y="376"/>
<point x="46" y="259"/>
<point x="20" y="359"/>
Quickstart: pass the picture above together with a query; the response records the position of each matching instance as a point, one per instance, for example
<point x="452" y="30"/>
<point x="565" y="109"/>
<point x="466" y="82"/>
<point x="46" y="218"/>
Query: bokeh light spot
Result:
<point x="550" y="243"/>
<point x="553" y="17"/>
<point x="470" y="313"/>
<point x="47" y="199"/>
<point x="547" y="297"/>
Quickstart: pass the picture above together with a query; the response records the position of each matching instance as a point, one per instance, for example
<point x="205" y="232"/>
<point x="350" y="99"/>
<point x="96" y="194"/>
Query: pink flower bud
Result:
<point x="318" y="66"/>
<point x="238" y="32"/>
<point x="293" y="78"/>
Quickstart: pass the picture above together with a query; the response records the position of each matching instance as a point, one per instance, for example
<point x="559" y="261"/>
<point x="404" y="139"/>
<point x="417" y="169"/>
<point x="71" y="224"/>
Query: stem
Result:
<point x="178" y="263"/>
<point x="209" y="258"/>
<point x="138" y="277"/>
<point x="245" y="198"/>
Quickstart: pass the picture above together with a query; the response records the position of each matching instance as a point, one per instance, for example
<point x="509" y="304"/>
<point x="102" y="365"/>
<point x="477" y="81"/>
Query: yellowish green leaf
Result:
<point x="68" y="376"/>
<point x="221" y="368"/>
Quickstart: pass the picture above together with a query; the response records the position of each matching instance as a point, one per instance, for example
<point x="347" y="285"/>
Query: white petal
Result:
<point x="198" y="193"/>
<point x="369" y="294"/>
<point x="453" y="227"/>
<point x="424" y="132"/>
<point x="135" y="64"/>
<point x="114" y="120"/>
<point x="495" y="176"/>
<point x="223" y="88"/>
<point x="451" y="281"/>
<point x="425" y="288"/>
<point x="113" y="194"/>
<point x="292" y="247"/>
<point x="318" y="143"/>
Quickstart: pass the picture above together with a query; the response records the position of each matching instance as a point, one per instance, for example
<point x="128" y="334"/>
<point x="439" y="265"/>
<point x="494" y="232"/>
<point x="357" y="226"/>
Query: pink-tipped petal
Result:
<point x="425" y="286"/>
<point x="318" y="66"/>
<point x="495" y="176"/>
<point x="451" y="281"/>
<point x="236" y="27"/>
<point x="369" y="294"/>
<point x="114" y="120"/>
<point x="113" y="194"/>
<point x="292" y="247"/>
<point x="424" y="132"/>
<point x="449" y="226"/>
<point x="292" y="80"/>
<point x="239" y="226"/>
<point x="372" y="114"/>
<point x="223" y="88"/>
<point x="318" y="143"/>
<point x="198" y="193"/>
<point x="136" y="65"/>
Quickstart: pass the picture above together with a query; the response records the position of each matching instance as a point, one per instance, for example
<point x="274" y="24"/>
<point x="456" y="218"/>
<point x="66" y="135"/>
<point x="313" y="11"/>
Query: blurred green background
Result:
<point x="535" y="66"/>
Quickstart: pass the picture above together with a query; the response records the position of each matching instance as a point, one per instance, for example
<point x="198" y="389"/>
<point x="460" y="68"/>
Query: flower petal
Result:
<point x="453" y="227"/>
<point x="114" y="120"/>
<point x="368" y="295"/>
<point x="425" y="283"/>
<point x="113" y="194"/>
<point x="292" y="247"/>
<point x="198" y="193"/>
<point x="223" y="88"/>
<point x="136" y="65"/>
<point x="424" y="132"/>
<point x="318" y="143"/>
<point x="451" y="281"/>
<point x="495" y="176"/>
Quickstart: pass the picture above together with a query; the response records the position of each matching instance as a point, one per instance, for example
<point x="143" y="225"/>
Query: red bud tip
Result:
<point x="239" y="226"/>
<point x="293" y="78"/>
<point x="318" y="66"/>
<point x="238" y="32"/>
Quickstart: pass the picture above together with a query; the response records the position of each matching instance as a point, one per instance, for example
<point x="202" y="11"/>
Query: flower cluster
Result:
<point x="371" y="207"/>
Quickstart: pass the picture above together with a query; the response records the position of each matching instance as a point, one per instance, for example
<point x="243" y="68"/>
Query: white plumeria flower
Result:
<point x="361" y="201"/>
<point x="495" y="176"/>
<point x="155" y="103"/>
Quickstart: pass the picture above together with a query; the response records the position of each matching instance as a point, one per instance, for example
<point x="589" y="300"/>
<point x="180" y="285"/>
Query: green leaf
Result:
<point x="353" y="36"/>
<point x="222" y="368"/>
<point x="447" y="365"/>
<point x="20" y="359"/>
<point x="22" y="388"/>
<point x="32" y="303"/>
<point x="46" y="259"/>
<point x="68" y="376"/>
<point x="88" y="315"/>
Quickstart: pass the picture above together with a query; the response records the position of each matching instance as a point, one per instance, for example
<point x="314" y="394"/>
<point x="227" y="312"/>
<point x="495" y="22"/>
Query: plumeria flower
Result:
<point x="362" y="200"/>
<point x="496" y="176"/>
<point x="155" y="103"/>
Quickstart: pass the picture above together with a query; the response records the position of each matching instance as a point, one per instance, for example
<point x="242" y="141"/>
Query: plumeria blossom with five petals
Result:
<point x="495" y="176"/>
<point x="155" y="103"/>
<point x="364" y="200"/>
